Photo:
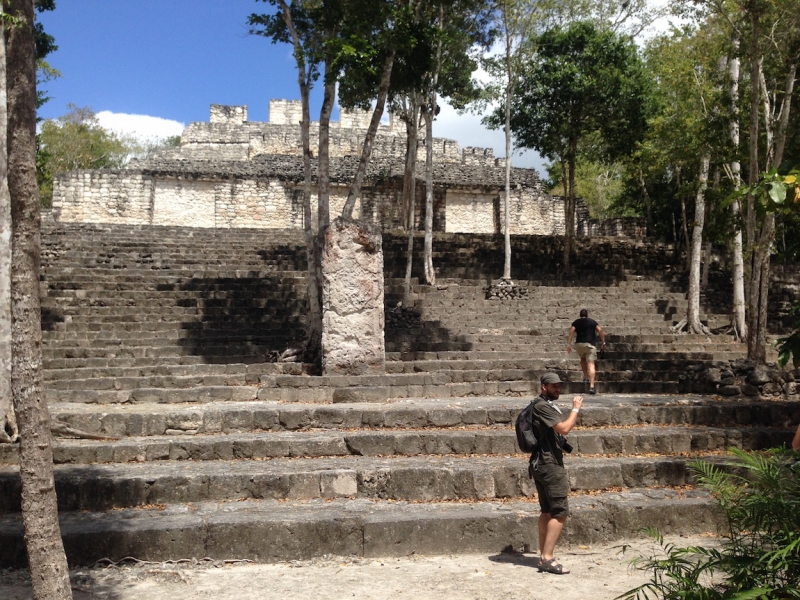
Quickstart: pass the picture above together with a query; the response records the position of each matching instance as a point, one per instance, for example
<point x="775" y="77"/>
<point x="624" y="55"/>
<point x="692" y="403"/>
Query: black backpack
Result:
<point x="526" y="434"/>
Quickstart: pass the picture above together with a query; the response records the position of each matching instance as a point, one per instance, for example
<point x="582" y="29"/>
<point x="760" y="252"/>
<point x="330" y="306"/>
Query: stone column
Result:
<point x="352" y="299"/>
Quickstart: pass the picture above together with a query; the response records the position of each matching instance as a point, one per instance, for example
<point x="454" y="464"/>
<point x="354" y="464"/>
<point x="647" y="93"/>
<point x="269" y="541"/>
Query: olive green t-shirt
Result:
<point x="545" y="414"/>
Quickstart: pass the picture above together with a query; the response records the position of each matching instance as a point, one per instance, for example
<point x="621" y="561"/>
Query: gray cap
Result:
<point x="548" y="378"/>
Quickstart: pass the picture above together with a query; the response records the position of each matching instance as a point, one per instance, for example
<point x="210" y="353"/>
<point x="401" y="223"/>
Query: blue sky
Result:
<point x="150" y="67"/>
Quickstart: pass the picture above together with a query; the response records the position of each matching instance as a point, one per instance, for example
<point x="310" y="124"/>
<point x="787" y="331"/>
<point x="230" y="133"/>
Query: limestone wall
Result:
<point x="123" y="197"/>
<point x="221" y="113"/>
<point x="230" y="172"/>
<point x="103" y="197"/>
<point x="483" y="211"/>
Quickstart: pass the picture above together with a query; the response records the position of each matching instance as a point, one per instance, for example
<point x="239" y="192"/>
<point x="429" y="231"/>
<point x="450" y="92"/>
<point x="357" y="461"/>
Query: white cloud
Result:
<point x="468" y="130"/>
<point x="143" y="127"/>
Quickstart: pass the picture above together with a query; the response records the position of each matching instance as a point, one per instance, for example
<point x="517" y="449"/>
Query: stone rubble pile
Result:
<point x="506" y="289"/>
<point x="740" y="378"/>
<point x="403" y="317"/>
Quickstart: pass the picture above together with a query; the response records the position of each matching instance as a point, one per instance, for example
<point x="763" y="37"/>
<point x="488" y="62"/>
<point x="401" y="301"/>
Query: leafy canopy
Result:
<point x="581" y="81"/>
<point x="76" y="141"/>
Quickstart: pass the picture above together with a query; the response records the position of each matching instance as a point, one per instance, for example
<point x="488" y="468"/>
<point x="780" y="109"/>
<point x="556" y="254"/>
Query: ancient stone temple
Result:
<point x="231" y="172"/>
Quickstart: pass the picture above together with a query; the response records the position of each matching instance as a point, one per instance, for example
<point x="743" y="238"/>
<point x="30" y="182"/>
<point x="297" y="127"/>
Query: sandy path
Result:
<point x="599" y="572"/>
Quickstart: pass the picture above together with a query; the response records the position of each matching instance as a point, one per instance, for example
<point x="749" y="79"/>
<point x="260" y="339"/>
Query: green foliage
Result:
<point x="597" y="183"/>
<point x="172" y="141"/>
<point x="759" y="494"/>
<point x="778" y="190"/>
<point x="581" y="82"/>
<point x="75" y="141"/>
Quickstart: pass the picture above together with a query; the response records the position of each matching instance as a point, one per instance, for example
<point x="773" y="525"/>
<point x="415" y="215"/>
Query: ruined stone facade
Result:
<point x="231" y="172"/>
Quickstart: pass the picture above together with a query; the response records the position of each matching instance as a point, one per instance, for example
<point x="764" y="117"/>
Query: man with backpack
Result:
<point x="548" y="427"/>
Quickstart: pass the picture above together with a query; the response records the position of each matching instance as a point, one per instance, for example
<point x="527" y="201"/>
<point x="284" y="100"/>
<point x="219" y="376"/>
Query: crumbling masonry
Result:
<point x="231" y="172"/>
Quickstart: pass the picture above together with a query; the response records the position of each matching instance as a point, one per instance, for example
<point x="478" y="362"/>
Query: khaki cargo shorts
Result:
<point x="587" y="350"/>
<point x="552" y="488"/>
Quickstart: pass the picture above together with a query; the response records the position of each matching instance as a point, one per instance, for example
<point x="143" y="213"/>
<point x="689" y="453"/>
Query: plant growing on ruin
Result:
<point x="759" y="557"/>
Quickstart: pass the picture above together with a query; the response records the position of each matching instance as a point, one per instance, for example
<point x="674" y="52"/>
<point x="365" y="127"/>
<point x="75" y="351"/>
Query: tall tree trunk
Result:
<point x="429" y="112"/>
<point x="765" y="236"/>
<point x="430" y="274"/>
<point x="312" y="350"/>
<point x="507" y="197"/>
<point x="569" y="206"/>
<point x="48" y="564"/>
<point x="693" y="312"/>
<point x="8" y="422"/>
<point x="707" y="251"/>
<point x="410" y="190"/>
<point x="369" y="139"/>
<point x="323" y="180"/>
<point x="755" y="77"/>
<point x="769" y="131"/>
<point x="323" y="152"/>
<point x="739" y="314"/>
<point x="783" y="120"/>
<point x="684" y="218"/>
<point x="759" y="291"/>
<point x="647" y="203"/>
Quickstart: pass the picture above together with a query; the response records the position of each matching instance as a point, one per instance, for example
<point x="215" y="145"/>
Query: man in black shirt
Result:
<point x="549" y="474"/>
<point x="586" y="345"/>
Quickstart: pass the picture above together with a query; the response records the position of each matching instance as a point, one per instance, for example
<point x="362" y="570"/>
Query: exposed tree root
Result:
<point x="57" y="428"/>
<point x="684" y="327"/>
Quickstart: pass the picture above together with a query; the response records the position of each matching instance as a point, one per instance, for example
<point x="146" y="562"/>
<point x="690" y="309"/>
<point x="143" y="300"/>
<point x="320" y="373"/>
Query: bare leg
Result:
<point x="554" y="526"/>
<point x="585" y="367"/>
<point x="544" y="519"/>
<point x="592" y="373"/>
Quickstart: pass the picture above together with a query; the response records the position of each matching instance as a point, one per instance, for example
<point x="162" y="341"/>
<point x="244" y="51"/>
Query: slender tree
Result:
<point x="696" y="251"/>
<point x="582" y="82"/>
<point x="737" y="250"/>
<point x="291" y="25"/>
<point x="48" y="565"/>
<point x="411" y="119"/>
<point x="516" y="22"/>
<point x="8" y="422"/>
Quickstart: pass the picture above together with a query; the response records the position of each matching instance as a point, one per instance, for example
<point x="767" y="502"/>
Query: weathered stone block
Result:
<point x="352" y="297"/>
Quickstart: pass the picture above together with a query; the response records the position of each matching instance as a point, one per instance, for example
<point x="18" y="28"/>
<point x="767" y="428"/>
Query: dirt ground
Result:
<point x="599" y="572"/>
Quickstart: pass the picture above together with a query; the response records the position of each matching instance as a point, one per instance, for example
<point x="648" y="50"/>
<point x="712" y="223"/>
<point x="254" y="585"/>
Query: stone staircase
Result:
<point x="161" y="342"/>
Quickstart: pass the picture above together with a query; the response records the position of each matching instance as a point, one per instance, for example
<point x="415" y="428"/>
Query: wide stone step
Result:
<point x="247" y="417"/>
<point x="390" y="442"/>
<point x="559" y="354"/>
<point x="570" y="373"/>
<point x="417" y="479"/>
<point x="272" y="531"/>
<point x="529" y="348"/>
<point x="252" y="371"/>
<point x="567" y="363"/>
<point x="326" y="395"/>
<point x="111" y="360"/>
<point x="166" y="337"/>
<point x="212" y="353"/>
<point x="177" y="338"/>
<point x="135" y="326"/>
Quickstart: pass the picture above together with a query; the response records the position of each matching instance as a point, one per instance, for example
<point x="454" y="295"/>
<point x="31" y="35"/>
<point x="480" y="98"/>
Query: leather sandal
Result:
<point x="551" y="566"/>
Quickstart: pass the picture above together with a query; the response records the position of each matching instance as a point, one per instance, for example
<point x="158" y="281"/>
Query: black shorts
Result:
<point x="552" y="487"/>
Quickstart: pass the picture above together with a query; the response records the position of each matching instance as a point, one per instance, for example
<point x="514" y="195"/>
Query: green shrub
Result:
<point x="759" y="494"/>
